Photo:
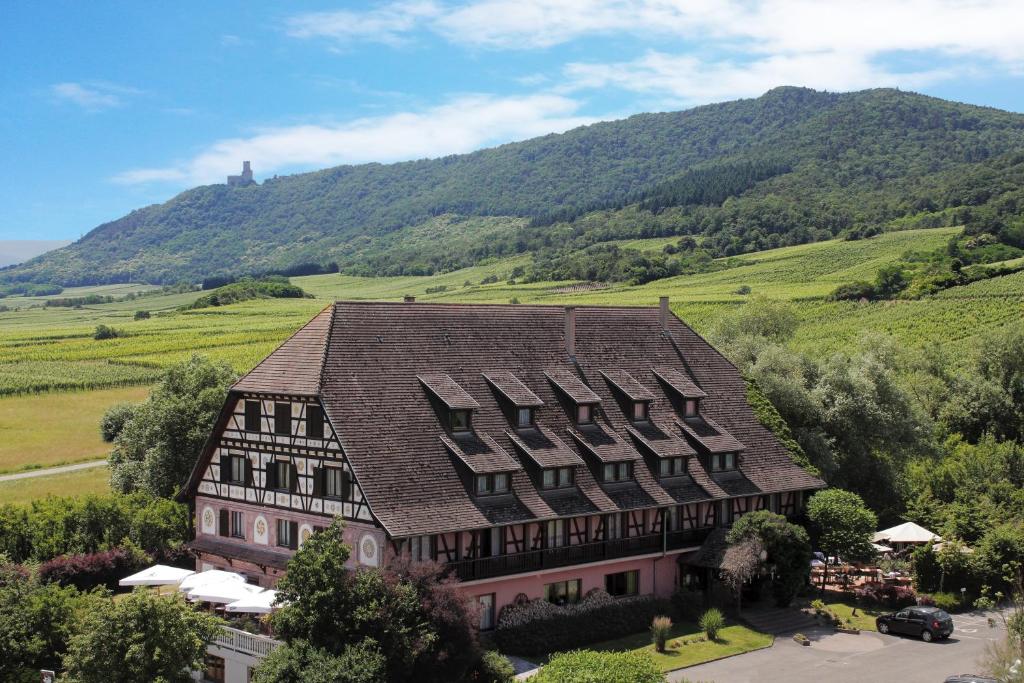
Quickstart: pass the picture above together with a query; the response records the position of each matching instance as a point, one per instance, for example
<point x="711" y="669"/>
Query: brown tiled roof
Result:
<point x="514" y="390"/>
<point x="604" y="444"/>
<point x="448" y="391"/>
<point x="390" y="431"/>
<point x="480" y="453"/>
<point x="628" y="385"/>
<point x="294" y="368"/>
<point x="707" y="435"/>
<point x="543" y="447"/>
<point x="661" y="442"/>
<point x="572" y="386"/>
<point x="680" y="382"/>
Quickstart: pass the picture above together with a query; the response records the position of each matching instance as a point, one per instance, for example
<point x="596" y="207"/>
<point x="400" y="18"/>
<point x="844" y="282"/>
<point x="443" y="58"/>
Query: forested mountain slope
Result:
<point x="789" y="167"/>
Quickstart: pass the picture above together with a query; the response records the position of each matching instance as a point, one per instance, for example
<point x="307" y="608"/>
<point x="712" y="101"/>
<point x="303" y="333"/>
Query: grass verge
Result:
<point x="860" y="617"/>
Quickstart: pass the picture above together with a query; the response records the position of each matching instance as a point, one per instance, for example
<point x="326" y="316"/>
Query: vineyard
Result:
<point x="46" y="349"/>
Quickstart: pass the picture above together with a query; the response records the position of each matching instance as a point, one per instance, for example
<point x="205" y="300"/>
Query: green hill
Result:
<point x="791" y="167"/>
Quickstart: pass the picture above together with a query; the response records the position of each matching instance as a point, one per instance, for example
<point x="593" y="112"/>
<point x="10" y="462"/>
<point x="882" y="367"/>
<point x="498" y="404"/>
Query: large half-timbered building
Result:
<point x="537" y="450"/>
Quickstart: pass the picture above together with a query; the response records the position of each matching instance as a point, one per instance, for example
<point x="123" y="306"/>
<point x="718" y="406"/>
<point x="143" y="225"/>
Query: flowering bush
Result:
<point x="539" y="626"/>
<point x="93" y="569"/>
<point x="893" y="597"/>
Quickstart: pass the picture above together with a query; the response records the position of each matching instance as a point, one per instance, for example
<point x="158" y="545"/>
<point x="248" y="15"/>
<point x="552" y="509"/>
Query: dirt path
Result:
<point x="47" y="471"/>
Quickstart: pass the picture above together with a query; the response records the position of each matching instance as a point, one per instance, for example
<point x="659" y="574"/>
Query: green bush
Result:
<point x="711" y="622"/>
<point x="105" y="332"/>
<point x="948" y="601"/>
<point x="494" y="667"/>
<point x="584" y="666"/>
<point x="661" y="629"/>
<point x="142" y="315"/>
<point x="560" y="629"/>
<point x="113" y="420"/>
<point x="688" y="604"/>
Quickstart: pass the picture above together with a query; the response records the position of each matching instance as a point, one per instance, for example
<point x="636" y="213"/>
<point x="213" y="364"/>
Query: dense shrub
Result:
<point x="85" y="572"/>
<point x="493" y="667"/>
<point x="711" y="622"/>
<point x="947" y="601"/>
<point x="300" y="662"/>
<point x="273" y="287"/>
<point x="688" y="603"/>
<point x="105" y="332"/>
<point x="141" y="315"/>
<point x="584" y="666"/>
<point x="539" y="626"/>
<point x="113" y="420"/>
<point x="892" y="597"/>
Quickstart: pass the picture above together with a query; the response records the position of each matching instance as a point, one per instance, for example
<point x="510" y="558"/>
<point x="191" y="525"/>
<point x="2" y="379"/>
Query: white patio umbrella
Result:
<point x="157" y="575"/>
<point x="881" y="548"/>
<point x="209" y="577"/>
<point x="257" y="603"/>
<point x="223" y="591"/>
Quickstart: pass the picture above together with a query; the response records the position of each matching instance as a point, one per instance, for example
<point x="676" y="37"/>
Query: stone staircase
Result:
<point x="778" y="621"/>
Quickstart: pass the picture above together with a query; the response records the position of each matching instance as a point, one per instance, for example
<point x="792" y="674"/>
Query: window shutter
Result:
<point x="346" y="485"/>
<point x="293" y="480"/>
<point x="271" y="478"/>
<point x="293" y="537"/>
<point x="223" y="528"/>
<point x="225" y="468"/>
<point x="318" y="481"/>
<point x="248" y="472"/>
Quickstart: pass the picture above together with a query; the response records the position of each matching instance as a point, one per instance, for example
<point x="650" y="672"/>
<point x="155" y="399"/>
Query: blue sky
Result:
<point x="109" y="106"/>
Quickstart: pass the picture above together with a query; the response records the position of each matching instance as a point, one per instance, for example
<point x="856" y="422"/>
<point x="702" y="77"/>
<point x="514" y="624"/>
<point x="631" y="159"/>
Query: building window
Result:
<point x="690" y="409"/>
<point x="283" y="418"/>
<point x="422" y="548"/>
<point x="334" y="483"/>
<point x="584" y="414"/>
<point x="237" y="469"/>
<point x="460" y="420"/>
<point x="623" y="583"/>
<point x="671" y="467"/>
<point x="314" y="421"/>
<point x="618" y="471"/>
<point x="252" y="416"/>
<point x="237" y="524"/>
<point x="557" y="478"/>
<point x="556" y="533"/>
<point x="721" y="462"/>
<point x="640" y="411"/>
<point x="214" y="668"/>
<point x="287" y="534"/>
<point x="563" y="592"/>
<point x="280" y="475"/>
<point x="486" y="611"/>
<point x="613" y="526"/>
<point x="524" y="417"/>
<point x="487" y="484"/>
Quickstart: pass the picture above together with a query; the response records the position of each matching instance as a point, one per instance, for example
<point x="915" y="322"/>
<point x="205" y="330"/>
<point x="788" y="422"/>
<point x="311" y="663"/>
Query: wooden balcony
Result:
<point x="566" y="556"/>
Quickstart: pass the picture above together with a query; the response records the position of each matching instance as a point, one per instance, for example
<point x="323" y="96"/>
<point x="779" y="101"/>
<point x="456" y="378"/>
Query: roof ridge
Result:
<point x="327" y="345"/>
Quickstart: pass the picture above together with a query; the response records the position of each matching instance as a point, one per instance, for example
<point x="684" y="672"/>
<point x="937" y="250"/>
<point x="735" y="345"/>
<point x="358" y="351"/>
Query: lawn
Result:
<point x="863" y="619"/>
<point x="45" y="430"/>
<point x="77" y="483"/>
<point x="732" y="640"/>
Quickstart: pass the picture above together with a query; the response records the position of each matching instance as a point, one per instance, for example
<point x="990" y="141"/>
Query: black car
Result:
<point x="929" y="623"/>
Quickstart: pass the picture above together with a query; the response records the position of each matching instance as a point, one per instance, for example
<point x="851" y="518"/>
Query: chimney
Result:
<point x="409" y="299"/>
<point x="570" y="331"/>
<point x="663" y="312"/>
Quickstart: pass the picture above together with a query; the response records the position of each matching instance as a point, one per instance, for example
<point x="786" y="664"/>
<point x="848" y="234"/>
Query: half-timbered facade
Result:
<point x="534" y="449"/>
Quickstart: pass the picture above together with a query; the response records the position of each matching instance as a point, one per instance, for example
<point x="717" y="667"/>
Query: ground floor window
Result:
<point x="623" y="583"/>
<point x="237" y="524"/>
<point x="563" y="592"/>
<point x="214" y="668"/>
<point x="486" y="611"/>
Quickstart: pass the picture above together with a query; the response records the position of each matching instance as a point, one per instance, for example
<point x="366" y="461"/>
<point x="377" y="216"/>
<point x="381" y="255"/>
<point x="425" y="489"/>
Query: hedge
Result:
<point x="89" y="571"/>
<point x="600" y="667"/>
<point x="536" y="627"/>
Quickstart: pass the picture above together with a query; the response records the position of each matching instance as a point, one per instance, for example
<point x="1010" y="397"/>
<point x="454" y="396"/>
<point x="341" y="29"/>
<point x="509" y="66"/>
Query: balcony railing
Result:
<point x="583" y="553"/>
<point x="245" y="643"/>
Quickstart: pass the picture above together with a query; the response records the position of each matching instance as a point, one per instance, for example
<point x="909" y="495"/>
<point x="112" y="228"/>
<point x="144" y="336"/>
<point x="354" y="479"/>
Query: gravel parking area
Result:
<point x="842" y="658"/>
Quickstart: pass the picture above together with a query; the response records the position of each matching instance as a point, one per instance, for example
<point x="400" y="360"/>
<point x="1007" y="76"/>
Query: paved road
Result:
<point x="53" y="470"/>
<point x="868" y="657"/>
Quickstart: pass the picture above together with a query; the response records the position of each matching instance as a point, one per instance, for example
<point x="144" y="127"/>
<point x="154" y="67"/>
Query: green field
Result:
<point x="78" y="483"/>
<point x="52" y="349"/>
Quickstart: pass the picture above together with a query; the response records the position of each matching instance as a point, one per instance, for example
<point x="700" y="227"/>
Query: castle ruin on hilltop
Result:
<point x="244" y="179"/>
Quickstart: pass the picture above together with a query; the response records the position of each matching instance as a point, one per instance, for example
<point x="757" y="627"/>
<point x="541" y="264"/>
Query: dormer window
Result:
<point x="491" y="484"/>
<point x="557" y="478"/>
<point x="671" y="467"/>
<point x="460" y="420"/>
<point x="618" y="471"/>
<point x="691" y="408"/>
<point x="585" y="414"/>
<point x="640" y="411"/>
<point x="524" y="418"/>
<point x="722" y="462"/>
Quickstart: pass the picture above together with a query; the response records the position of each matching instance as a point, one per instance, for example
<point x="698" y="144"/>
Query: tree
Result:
<point x="300" y="662"/>
<point x="420" y="620"/>
<point x="161" y="440"/>
<point x="787" y="546"/>
<point x="741" y="563"/>
<point x="843" y="524"/>
<point x="143" y="637"/>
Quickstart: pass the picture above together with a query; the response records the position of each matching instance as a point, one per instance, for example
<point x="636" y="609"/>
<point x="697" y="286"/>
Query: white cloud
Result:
<point x="92" y="96"/>
<point x="462" y="125"/>
<point x="387" y="24"/>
